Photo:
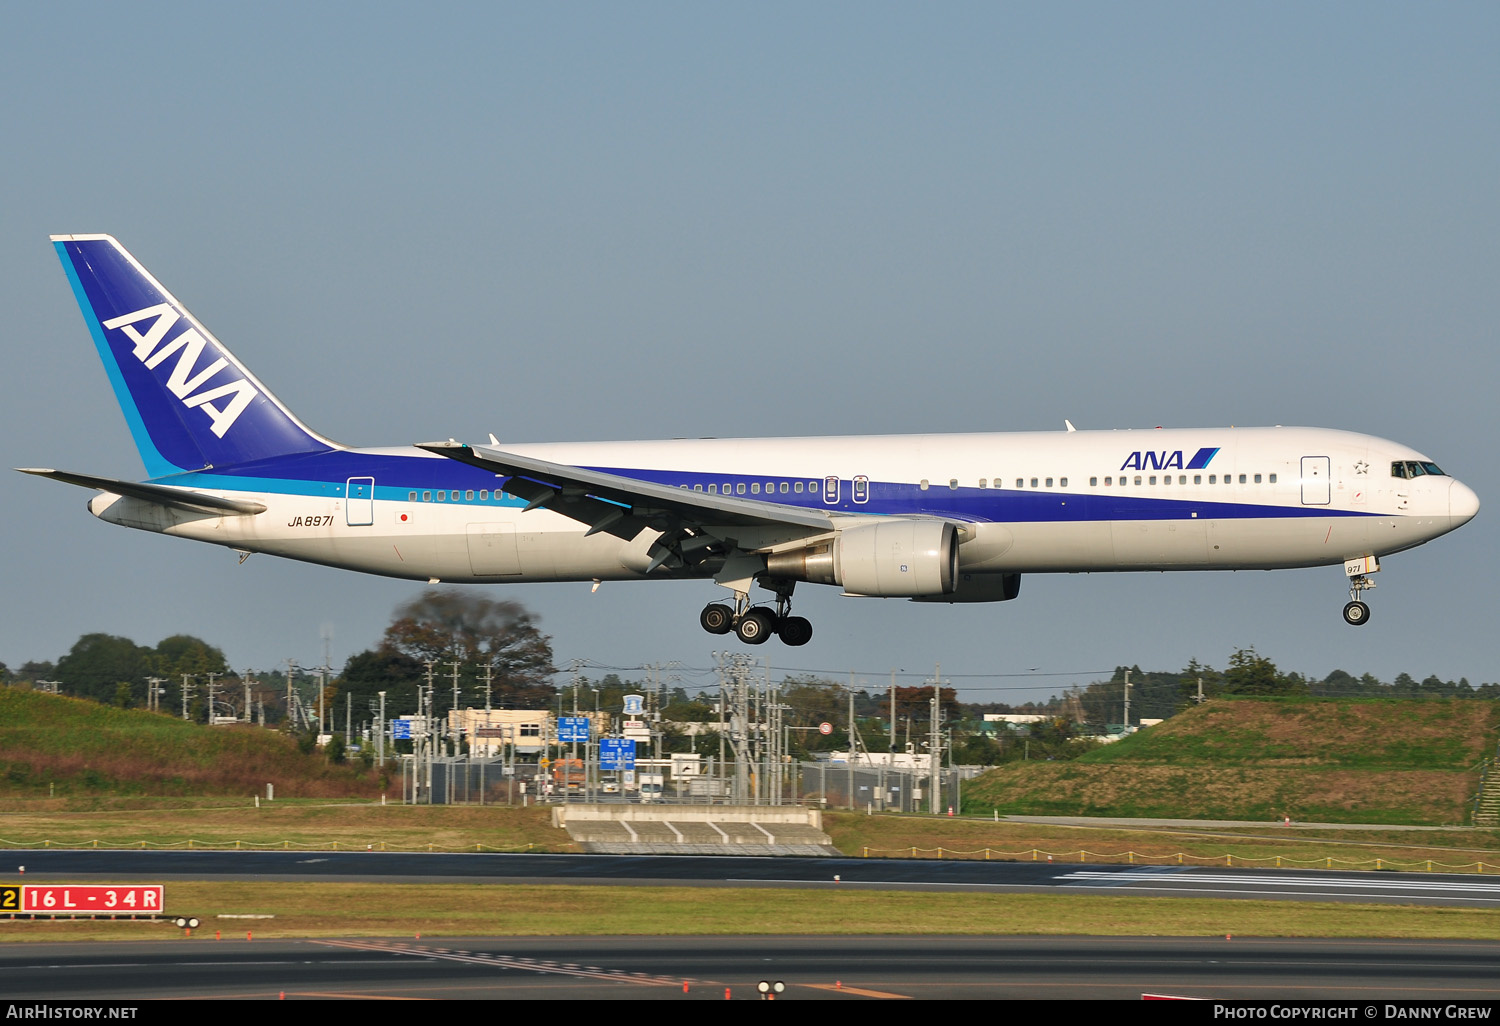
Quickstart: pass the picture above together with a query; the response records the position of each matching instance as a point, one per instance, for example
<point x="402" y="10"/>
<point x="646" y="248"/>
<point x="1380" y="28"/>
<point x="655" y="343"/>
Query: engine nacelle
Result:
<point x="979" y="588"/>
<point x="895" y="558"/>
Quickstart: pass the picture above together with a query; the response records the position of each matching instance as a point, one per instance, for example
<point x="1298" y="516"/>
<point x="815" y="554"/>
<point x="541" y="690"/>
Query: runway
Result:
<point x="813" y="968"/>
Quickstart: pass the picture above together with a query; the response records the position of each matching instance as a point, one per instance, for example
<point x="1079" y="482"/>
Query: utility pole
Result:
<point x="380" y="734"/>
<point x="1127" y="703"/>
<point x="893" y="708"/>
<point x="291" y="675"/>
<point x="185" y="677"/>
<point x="154" y="692"/>
<point x="453" y="730"/>
<point x="935" y="743"/>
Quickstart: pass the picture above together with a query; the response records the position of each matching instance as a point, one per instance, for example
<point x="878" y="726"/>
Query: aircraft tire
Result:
<point x="794" y="631"/>
<point x="755" y="627"/>
<point x="1356" y="614"/>
<point x="717" y="619"/>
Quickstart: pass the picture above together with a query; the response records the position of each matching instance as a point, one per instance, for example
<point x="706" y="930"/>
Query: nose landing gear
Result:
<point x="1357" y="613"/>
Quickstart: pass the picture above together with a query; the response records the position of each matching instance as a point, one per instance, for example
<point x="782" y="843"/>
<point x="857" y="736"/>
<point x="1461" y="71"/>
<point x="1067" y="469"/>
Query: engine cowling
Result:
<point x="894" y="558"/>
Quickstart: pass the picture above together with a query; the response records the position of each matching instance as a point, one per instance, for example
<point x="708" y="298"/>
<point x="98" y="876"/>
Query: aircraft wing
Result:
<point x="623" y="506"/>
<point x="188" y="499"/>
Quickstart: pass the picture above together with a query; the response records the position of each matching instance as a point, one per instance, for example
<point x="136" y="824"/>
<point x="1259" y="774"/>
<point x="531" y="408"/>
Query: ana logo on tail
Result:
<point x="183" y="382"/>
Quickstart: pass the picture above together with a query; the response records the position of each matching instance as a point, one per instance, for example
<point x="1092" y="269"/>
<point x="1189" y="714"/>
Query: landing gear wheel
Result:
<point x="717" y="619"/>
<point x="1356" y="614"/>
<point x="794" y="631"/>
<point x="756" y="626"/>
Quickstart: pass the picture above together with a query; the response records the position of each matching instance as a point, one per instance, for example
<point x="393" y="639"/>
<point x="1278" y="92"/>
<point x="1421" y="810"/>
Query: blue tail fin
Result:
<point x="190" y="404"/>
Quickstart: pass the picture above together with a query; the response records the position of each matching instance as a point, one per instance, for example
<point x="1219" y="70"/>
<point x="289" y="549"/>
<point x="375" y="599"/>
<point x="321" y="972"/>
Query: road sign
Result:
<point x="616" y="753"/>
<point x="573" y="728"/>
<point x="825" y="728"/>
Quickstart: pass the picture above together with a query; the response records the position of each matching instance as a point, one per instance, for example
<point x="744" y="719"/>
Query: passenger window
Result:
<point x="1062" y="482"/>
<point x="1257" y="479"/>
<point x="1033" y="482"/>
<point x="1242" y="479"/>
<point x="697" y="488"/>
<point x="713" y="489"/>
<point x="484" y="494"/>
<point x="830" y="490"/>
<point x="1020" y="483"/>
<point x="1167" y="480"/>
<point x="981" y="482"/>
<point x="861" y="489"/>
<point x="469" y="495"/>
<point x="1273" y="478"/>
<point x="426" y="496"/>
<point x="442" y="496"/>
<point x="1093" y="482"/>
<point x="953" y="484"/>
<point x="1138" y="480"/>
<point x="1049" y="482"/>
<point x="1182" y="479"/>
<point x="1197" y="479"/>
<point x="783" y="488"/>
<point x="411" y="496"/>
<point x="755" y="488"/>
<point x="799" y="487"/>
<point x="922" y="484"/>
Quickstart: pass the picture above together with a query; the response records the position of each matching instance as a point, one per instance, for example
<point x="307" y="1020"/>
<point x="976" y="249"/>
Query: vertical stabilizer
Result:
<point x="189" y="403"/>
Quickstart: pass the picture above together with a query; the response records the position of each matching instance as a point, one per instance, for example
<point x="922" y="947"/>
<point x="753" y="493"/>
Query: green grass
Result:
<point x="436" y="910"/>
<point x="1321" y="760"/>
<point x="52" y="745"/>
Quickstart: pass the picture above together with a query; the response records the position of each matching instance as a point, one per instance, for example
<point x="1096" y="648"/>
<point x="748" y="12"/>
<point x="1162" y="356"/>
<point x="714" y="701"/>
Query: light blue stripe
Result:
<point x="323" y="489"/>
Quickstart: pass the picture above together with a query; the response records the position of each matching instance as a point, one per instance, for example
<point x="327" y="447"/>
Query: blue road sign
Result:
<point x="616" y="753"/>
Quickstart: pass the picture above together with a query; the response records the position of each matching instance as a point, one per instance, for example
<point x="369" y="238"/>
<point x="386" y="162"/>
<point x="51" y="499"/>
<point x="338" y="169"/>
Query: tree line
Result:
<point x="446" y="634"/>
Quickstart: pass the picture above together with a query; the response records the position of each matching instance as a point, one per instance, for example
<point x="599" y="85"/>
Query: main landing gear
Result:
<point x="755" y="625"/>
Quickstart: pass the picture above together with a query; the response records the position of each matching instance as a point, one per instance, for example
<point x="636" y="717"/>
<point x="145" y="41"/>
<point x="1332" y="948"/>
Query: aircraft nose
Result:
<point x="1462" y="502"/>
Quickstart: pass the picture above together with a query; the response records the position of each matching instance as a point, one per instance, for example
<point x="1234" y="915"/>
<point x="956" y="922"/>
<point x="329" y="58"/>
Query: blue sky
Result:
<point x="598" y="221"/>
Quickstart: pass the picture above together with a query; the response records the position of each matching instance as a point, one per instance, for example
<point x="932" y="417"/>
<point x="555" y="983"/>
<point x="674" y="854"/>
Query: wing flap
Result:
<point x="617" y="504"/>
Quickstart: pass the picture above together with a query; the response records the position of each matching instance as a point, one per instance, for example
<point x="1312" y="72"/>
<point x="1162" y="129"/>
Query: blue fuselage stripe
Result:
<point x="326" y="474"/>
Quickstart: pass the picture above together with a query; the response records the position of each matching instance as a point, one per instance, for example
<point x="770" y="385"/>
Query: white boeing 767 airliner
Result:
<point x="934" y="518"/>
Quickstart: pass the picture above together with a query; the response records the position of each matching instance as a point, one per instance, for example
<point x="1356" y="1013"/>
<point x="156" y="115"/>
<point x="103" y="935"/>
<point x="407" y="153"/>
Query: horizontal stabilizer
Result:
<point x="166" y="495"/>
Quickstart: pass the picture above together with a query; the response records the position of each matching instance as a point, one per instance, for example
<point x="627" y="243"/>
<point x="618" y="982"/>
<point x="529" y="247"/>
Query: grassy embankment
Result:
<point x="1315" y="760"/>
<point x="68" y="746"/>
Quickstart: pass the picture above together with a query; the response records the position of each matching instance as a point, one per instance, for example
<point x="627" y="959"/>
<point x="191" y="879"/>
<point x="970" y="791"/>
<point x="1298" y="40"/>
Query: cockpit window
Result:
<point x="1413" y="468"/>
